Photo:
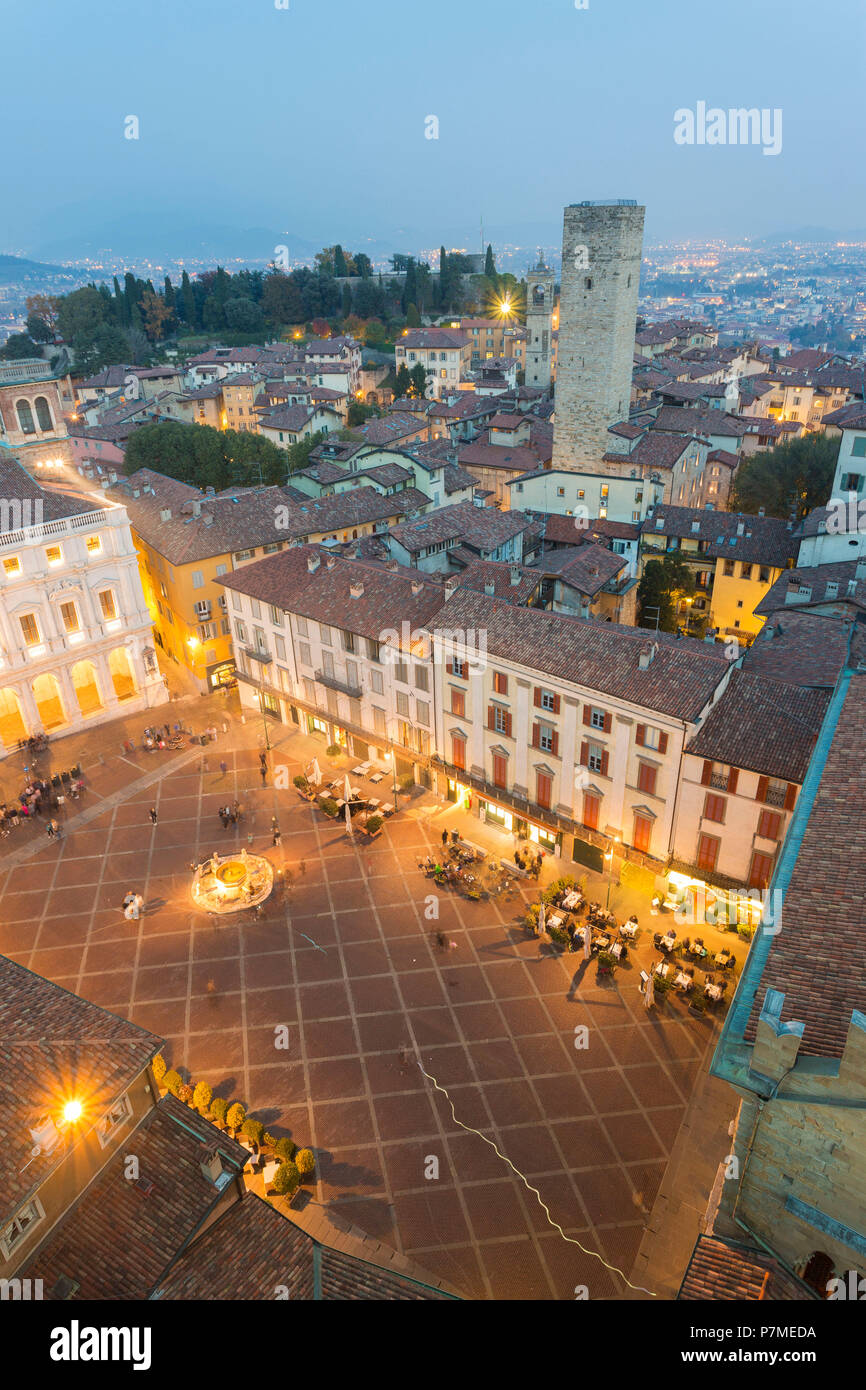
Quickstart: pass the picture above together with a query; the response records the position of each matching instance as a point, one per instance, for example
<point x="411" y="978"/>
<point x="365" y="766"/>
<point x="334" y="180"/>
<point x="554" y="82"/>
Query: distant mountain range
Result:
<point x="15" y="269"/>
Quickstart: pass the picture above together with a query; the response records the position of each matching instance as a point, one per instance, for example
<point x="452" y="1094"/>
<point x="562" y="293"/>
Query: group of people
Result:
<point x="527" y="861"/>
<point x="38" y="798"/>
<point x="132" y="905"/>
<point x="230" y="815"/>
<point x="36" y="743"/>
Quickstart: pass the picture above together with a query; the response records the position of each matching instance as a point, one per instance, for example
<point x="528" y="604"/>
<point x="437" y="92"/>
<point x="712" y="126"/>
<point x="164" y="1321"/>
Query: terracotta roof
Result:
<point x="479" y="574"/>
<point x="466" y="407"/>
<point x="818" y="962"/>
<point x="679" y="681"/>
<point x="803" y="648"/>
<point x="658" y="450"/>
<point x="724" y="1270"/>
<point x="815" y="584"/>
<point x="680" y="420"/>
<point x="517" y="459"/>
<point x="434" y="338"/>
<point x="55" y="1046"/>
<point x="762" y="725"/>
<point x="456" y="479"/>
<point x="482" y="528"/>
<point x="766" y="540"/>
<point x="17" y="485"/>
<point x="386" y="598"/>
<point x="386" y="429"/>
<point x="253" y="1251"/>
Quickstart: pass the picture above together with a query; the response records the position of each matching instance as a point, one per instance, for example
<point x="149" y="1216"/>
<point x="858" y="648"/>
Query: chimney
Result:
<point x="490" y="588"/>
<point x="165" y="514"/>
<point x="852" y="588"/>
<point x="860" y="571"/>
<point x="741" y="528"/>
<point x="417" y="586"/>
<point x="330" y="562"/>
<point x="208" y="518"/>
<point x="762" y="511"/>
<point x="196" y="508"/>
<point x="647" y="655"/>
<point x="356" y="590"/>
<point x="313" y="562"/>
<point x="215" y="1169"/>
<point x="450" y="586"/>
<point x="514" y="575"/>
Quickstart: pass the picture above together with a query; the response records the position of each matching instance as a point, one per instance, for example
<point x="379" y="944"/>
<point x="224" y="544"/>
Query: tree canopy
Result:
<point x="205" y="457"/>
<point x="663" y="584"/>
<point x="794" y="477"/>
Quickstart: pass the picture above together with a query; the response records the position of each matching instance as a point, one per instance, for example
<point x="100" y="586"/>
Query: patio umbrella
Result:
<point x="649" y="994"/>
<point x="316" y="776"/>
<point x="349" y="826"/>
<point x="587" y="946"/>
<point x="541" y="917"/>
<point x="347" y="790"/>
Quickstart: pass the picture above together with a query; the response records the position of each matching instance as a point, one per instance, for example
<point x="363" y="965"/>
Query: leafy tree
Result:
<point x="794" y="477"/>
<point x="418" y="377"/>
<point x="213" y="316"/>
<point x="236" y="1116"/>
<point x="82" y="311"/>
<point x="155" y="314"/>
<point x="404" y="381"/>
<point x="663" y="584"/>
<point x="168" y="292"/>
<point x="219" y="1109"/>
<point x="285" y="1149"/>
<point x="444" y="279"/>
<point x="38" y="329"/>
<point x="158" y="1068"/>
<point x="347" y="300"/>
<point x="243" y="316"/>
<point x="340" y="268"/>
<point x="19" y="346"/>
<point x="363" y="265"/>
<point x="205" y="457"/>
<point x="185" y="1093"/>
<point x="358" y="412"/>
<point x="305" y="1162"/>
<point x="202" y="1097"/>
<point x="410" y="286"/>
<point x="254" y="1130"/>
<point x="413" y="318"/>
<point x="375" y="333"/>
<point x="281" y="299"/>
<point x="286" y="1180"/>
<point x="45" y="306"/>
<point x="187" y="300"/>
<point x="172" y="1082"/>
<point x="299" y="454"/>
<point x="320" y="328"/>
<point x="490" y="264"/>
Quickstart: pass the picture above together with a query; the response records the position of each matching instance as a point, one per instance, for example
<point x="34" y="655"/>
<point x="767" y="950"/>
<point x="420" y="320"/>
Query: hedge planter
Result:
<point x="373" y="826"/>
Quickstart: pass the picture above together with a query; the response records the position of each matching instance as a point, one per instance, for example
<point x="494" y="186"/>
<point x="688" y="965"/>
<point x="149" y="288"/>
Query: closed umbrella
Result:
<point x="349" y="827"/>
<point x="540" y="917"/>
<point x="587" y="946"/>
<point x="316" y="772"/>
<point x="347" y="790"/>
<point x="649" y="994"/>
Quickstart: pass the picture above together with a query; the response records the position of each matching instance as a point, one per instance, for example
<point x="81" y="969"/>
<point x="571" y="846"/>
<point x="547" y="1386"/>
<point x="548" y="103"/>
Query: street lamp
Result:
<point x="393" y="756"/>
<point x="609" y="857"/>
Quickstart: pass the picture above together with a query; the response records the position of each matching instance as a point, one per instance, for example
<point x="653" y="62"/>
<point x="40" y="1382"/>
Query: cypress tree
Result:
<point x="490" y="264"/>
<point x="340" y="268"/>
<point x="187" y="301"/>
<point x="168" y="293"/>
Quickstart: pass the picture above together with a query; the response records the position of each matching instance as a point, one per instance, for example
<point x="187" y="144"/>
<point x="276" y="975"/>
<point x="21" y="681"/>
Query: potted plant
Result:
<point x="253" y="1130"/>
<point x="661" y="988"/>
<point x="185" y="1093"/>
<point x="305" y="1162"/>
<point x="172" y="1082"/>
<point x="606" y="963"/>
<point x="698" y="1005"/>
<point x="373" y="826"/>
<point x="285" y="1149"/>
<point x="158" y="1068"/>
<point x="219" y="1108"/>
<point x="287" y="1180"/>
<point x="202" y="1097"/>
<point x="328" y="805"/>
<point x="334" y="750"/>
<point x="302" y="785"/>
<point x="236" y="1116"/>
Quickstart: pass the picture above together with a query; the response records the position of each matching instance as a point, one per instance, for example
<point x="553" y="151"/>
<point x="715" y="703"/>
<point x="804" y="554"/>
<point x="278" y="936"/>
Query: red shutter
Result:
<point x="537" y="697"/>
<point x="761" y="793"/>
<point x="556" y="704"/>
<point x="640" y="736"/>
<point x="587" y="714"/>
<point x="584" y="753"/>
<point x="643" y="829"/>
<point x="608" y="723"/>
<point x="604" y="762"/>
<point x="590" y="811"/>
<point x="733" y="778"/>
<point x="535" y="735"/>
<point x="663" y="743"/>
<point x="555" y="749"/>
<point x="790" y="796"/>
<point x="490" y="718"/>
<point x="507" y="729"/>
<point x="449" y="666"/>
<point x="707" y="773"/>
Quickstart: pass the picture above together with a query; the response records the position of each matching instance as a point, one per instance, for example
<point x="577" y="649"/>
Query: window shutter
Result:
<point x="449" y="667"/>
<point x="790" y="796"/>
<point x="555" y="749"/>
<point x="537" y="697"/>
<point x="556" y="704"/>
<point x="490" y="717"/>
<point x="535" y="735"/>
<point x="707" y="773"/>
<point x="608" y="723"/>
<point x="640" y="735"/>
<point x="507" y="729"/>
<point x="663" y="743"/>
<point x="584" y="753"/>
<point x="733" y="778"/>
<point x="587" y="714"/>
<point x="761" y="793"/>
<point x="604" y="762"/>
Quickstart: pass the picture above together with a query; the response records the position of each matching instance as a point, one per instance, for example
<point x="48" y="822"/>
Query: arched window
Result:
<point x="43" y="414"/>
<point x="538" y="295"/>
<point x="25" y="417"/>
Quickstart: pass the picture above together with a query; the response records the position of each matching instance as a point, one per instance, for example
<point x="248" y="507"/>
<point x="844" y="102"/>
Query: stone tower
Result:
<point x="540" y="285"/>
<point x="601" y="260"/>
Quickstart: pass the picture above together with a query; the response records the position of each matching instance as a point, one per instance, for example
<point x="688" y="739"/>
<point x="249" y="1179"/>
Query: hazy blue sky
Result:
<point x="311" y="120"/>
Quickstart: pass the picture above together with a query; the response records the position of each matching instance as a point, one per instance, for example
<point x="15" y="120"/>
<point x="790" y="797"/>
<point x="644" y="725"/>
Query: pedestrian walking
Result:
<point x="205" y="765"/>
<point x="264" y="771"/>
<point x="153" y="815"/>
<point x="224" y="767"/>
<point x="167" y="728"/>
<point x="444" y="837"/>
<point x="224" y="816"/>
<point x="225" y="727"/>
<point x="53" y="830"/>
<point x="302" y="868"/>
<point x="277" y="833"/>
<point x="263" y="759"/>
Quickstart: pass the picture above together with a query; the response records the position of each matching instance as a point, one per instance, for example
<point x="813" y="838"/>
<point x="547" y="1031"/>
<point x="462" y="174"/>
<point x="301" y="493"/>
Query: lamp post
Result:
<point x="393" y="756"/>
<point x="609" y="857"/>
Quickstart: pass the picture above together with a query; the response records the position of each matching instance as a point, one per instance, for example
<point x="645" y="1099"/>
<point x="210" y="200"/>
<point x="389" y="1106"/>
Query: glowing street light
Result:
<point x="72" y="1111"/>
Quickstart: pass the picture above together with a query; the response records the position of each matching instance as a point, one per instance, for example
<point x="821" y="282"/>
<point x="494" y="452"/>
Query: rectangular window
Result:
<point x="708" y="852"/>
<point x="714" y="808"/>
<point x="458" y="666"/>
<point x="20" y="1227"/>
<point x="255" y="608"/>
<point x="280" y="648"/>
<point x="325" y="634"/>
<point x="422" y="679"/>
<point x="54" y="554"/>
<point x="402" y="704"/>
<point x="543" y="789"/>
<point x="422" y="712"/>
<point x="237" y="601"/>
<point x="373" y="650"/>
<point x="378" y="720"/>
<point x="301" y="625"/>
<point x="12" y="565"/>
<point x="376" y="682"/>
<point x="769" y="825"/>
<point x="348" y="640"/>
<point x="458" y="752"/>
<point x="500" y="770"/>
<point x="304" y="654"/>
<point x="69" y="614"/>
<point x="400" y="672"/>
<point x="761" y="871"/>
<point x="596" y="718"/>
<point x="94" y="545"/>
<point x="276" y="616"/>
<point x="113" y="1120"/>
<point x="30" y="629"/>
<point x="546" y="737"/>
<point x="241" y="632"/>
<point x="197" y="579"/>
<point x="458" y="702"/>
<point x="501" y="720"/>
<point x="646" y="778"/>
<point x="500" y="683"/>
<point x="548" y="700"/>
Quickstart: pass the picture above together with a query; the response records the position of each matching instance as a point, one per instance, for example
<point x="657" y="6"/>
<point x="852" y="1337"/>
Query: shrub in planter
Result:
<point x="305" y="1162"/>
<point x="661" y="989"/>
<point x="268" y="1142"/>
<point x="329" y="806"/>
<point x="285" y="1149"/>
<point x="158" y="1068"/>
<point x="236" y="1116"/>
<point x="606" y="963"/>
<point x="172" y="1082"/>
<point x="558" y="936"/>
<point x="219" y="1108"/>
<point x="286" y="1180"/>
<point x="185" y="1093"/>
<point x="254" y="1130"/>
<point x="202" y="1097"/>
<point x="333" y="750"/>
<point x="698" y="1004"/>
<point x="301" y="783"/>
<point x="374" y="823"/>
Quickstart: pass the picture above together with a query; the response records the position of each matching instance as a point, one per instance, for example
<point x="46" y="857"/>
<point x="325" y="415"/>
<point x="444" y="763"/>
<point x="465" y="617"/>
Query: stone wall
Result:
<point x="601" y="260"/>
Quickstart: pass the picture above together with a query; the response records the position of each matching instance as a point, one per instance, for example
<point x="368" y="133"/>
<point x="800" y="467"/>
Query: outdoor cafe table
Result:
<point x="572" y="900"/>
<point x="373" y="802"/>
<point x="376" y="776"/>
<point x="361" y="770"/>
<point x="722" y="957"/>
<point x="617" y="949"/>
<point x="555" y="921"/>
<point x="683" y="981"/>
<point x="602" y="942"/>
<point x="714" y="991"/>
<point x="628" y="929"/>
<point x="661" y="968"/>
<point x="386" y="808"/>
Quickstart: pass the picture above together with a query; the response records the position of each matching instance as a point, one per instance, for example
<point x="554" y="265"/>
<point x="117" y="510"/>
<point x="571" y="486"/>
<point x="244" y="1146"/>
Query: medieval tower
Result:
<point x="540" y="285"/>
<point x="601" y="260"/>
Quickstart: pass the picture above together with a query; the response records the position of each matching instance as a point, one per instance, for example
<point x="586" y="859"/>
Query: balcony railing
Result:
<point x="334" y="683"/>
<point x="776" y="796"/>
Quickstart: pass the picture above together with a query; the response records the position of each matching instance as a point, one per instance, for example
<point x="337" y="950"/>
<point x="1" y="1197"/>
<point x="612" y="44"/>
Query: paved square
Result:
<point x="348" y="964"/>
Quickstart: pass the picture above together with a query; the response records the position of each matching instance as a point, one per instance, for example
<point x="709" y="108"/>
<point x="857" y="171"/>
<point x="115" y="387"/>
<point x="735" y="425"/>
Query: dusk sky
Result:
<point x="311" y="120"/>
